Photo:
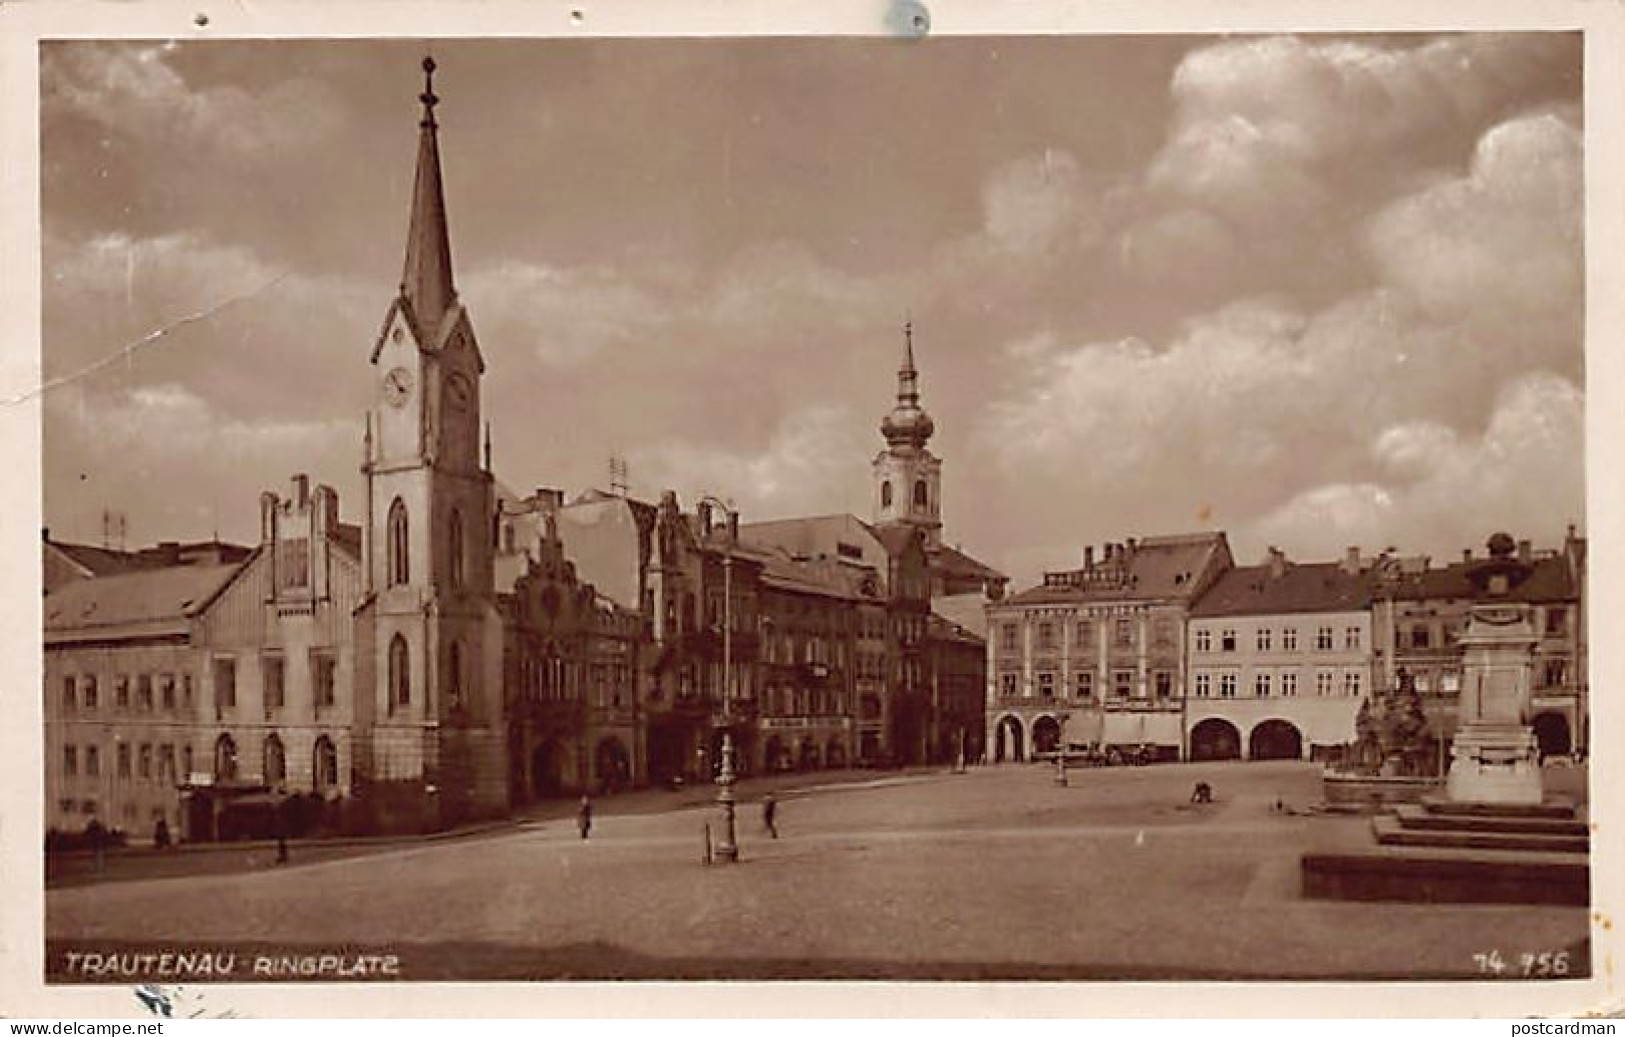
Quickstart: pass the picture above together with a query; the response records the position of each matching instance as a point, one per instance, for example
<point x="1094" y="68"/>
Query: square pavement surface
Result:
<point x="998" y="873"/>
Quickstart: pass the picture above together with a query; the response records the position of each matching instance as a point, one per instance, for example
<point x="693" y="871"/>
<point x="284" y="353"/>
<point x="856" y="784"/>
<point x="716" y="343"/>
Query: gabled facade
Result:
<point x="1096" y="655"/>
<point x="1279" y="657"/>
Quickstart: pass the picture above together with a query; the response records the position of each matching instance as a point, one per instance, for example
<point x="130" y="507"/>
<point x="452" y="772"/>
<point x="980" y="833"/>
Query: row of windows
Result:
<point x="1268" y="685"/>
<point x="151" y="762"/>
<point x="1124" y="682"/>
<point x="83" y="692"/>
<point x="1264" y="639"/>
<point x="790" y="701"/>
<point x="274" y="681"/>
<point x="921" y="494"/>
<point x="1085" y="634"/>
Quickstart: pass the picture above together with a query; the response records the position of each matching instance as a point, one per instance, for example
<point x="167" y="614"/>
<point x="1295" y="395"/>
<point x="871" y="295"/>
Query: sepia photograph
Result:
<point x="913" y="507"/>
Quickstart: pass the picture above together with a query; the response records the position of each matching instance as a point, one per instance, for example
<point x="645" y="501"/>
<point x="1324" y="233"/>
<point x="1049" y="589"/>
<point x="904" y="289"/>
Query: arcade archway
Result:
<point x="1008" y="741"/>
<point x="1046" y="734"/>
<point x="1215" y="739"/>
<point x="1275" y="740"/>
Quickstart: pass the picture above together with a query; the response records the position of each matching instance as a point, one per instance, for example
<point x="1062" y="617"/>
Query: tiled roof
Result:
<point x="955" y="562"/>
<point x="156" y="601"/>
<point x="944" y="629"/>
<point x="1299" y="587"/>
<point x="1157" y="568"/>
<point x="1550" y="580"/>
<point x="102" y="561"/>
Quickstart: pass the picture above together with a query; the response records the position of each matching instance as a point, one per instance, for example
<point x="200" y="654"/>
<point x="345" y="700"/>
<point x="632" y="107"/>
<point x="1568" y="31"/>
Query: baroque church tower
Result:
<point x="429" y="632"/>
<point x="908" y="477"/>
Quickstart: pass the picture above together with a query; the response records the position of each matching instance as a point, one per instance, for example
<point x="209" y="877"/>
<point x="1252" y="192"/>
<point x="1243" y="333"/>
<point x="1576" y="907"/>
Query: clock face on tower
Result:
<point x="397" y="384"/>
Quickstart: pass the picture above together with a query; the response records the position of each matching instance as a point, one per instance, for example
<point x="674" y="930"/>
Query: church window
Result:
<point x="399" y="571"/>
<point x="921" y="494"/>
<point x="400" y="673"/>
<point x="454" y="673"/>
<point x="885" y="494"/>
<point x="455" y="549"/>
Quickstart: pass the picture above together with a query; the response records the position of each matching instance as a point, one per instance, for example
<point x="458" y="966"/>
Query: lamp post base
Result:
<point x="727" y="848"/>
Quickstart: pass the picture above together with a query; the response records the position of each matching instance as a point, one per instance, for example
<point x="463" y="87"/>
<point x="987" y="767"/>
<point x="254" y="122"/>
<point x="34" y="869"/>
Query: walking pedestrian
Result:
<point x="584" y="816"/>
<point x="770" y="810"/>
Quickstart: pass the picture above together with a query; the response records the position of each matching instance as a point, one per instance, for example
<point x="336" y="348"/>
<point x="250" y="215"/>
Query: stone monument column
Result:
<point x="1494" y="757"/>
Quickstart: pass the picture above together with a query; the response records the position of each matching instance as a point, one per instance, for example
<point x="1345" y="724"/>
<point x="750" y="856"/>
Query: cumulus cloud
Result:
<point x="1346" y="279"/>
<point x="187" y="464"/>
<point x="1502" y="242"/>
<point x="137" y="90"/>
<point x="799" y="469"/>
<point x="1522" y="473"/>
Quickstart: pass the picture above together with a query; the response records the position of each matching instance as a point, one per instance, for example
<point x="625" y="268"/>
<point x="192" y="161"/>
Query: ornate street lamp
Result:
<point x="727" y="850"/>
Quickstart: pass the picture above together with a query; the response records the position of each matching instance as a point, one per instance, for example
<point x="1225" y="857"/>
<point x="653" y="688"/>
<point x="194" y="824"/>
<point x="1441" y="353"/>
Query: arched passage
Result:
<point x="1007" y="744"/>
<point x="1215" y="739"/>
<point x="1275" y="739"/>
<point x="1046" y="734"/>
<point x="1552" y="733"/>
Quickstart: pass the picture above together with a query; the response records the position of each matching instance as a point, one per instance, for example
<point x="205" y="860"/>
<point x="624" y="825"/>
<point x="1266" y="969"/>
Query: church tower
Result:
<point x="431" y="629"/>
<point x="908" y="477"/>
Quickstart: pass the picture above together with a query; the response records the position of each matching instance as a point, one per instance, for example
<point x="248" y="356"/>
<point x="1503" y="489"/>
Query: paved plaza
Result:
<point x="997" y="873"/>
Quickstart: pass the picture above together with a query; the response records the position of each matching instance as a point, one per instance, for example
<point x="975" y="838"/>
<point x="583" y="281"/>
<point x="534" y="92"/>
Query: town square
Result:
<point x="667" y="578"/>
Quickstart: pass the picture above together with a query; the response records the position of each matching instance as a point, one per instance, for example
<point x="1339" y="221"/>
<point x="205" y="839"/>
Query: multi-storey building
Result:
<point x="124" y="665"/>
<point x="571" y="677"/>
<point x="1279" y="657"/>
<point x="928" y="586"/>
<point x="222" y="682"/>
<point x="1420" y="611"/>
<point x="1096" y="655"/>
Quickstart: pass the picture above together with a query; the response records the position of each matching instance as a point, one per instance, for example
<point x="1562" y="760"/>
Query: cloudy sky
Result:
<point x="1313" y="291"/>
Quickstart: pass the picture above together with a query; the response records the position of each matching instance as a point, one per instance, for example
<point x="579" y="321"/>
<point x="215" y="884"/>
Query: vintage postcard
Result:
<point x="952" y="495"/>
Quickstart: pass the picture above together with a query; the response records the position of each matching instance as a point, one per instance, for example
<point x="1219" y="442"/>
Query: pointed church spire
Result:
<point x="426" y="280"/>
<point x="908" y="423"/>
<point x="908" y="386"/>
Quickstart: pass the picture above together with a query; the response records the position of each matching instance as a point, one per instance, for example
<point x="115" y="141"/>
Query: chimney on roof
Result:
<point x="1131" y="543"/>
<point x="702" y="511"/>
<point x="1277" y="562"/>
<point x="1351" y="560"/>
<point x="1523" y="551"/>
<point x="325" y="501"/>
<point x="301" y="491"/>
<point x="269" y="507"/>
<point x="1088" y="556"/>
<point x="733" y="526"/>
<point x="1466" y="554"/>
